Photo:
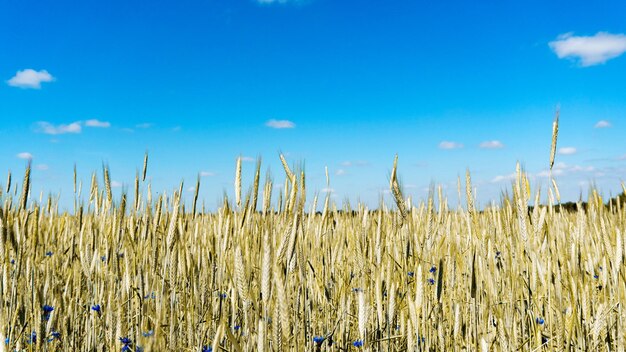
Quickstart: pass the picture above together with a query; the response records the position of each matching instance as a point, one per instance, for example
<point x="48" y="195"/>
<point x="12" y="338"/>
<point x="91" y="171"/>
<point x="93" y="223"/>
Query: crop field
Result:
<point x="267" y="273"/>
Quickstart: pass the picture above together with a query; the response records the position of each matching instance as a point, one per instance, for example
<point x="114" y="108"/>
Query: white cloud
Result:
<point x="41" y="167"/>
<point x="144" y="125"/>
<point x="248" y="159"/>
<point x="501" y="178"/>
<point x="349" y="163"/>
<point x="568" y="151"/>
<point x="48" y="128"/>
<point x="491" y="145"/>
<point x="97" y="123"/>
<point x="206" y="173"/>
<point x="340" y="172"/>
<point x="450" y="145"/>
<point x="603" y="124"/>
<point x="25" y="155"/>
<point x="327" y="190"/>
<point x="116" y="184"/>
<point x="30" y="78"/>
<point x="280" y="124"/>
<point x="269" y="2"/>
<point x="589" y="50"/>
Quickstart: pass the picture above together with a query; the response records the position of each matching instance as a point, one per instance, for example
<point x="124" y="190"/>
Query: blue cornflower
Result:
<point x="148" y="333"/>
<point x="33" y="338"/>
<point x="318" y="339"/>
<point x="411" y="274"/>
<point x="56" y="334"/>
<point x="125" y="348"/>
<point x="12" y="261"/>
<point x="206" y="348"/>
<point x="433" y="269"/>
<point x="223" y="295"/>
<point x="96" y="308"/>
<point x="103" y="258"/>
<point x="431" y="281"/>
<point x="47" y="310"/>
<point x="48" y="254"/>
<point x="6" y="341"/>
<point x="358" y="343"/>
<point x="138" y="349"/>
<point x="125" y="341"/>
<point x="596" y="276"/>
<point x="237" y="327"/>
<point x="421" y="340"/>
<point x="540" y="320"/>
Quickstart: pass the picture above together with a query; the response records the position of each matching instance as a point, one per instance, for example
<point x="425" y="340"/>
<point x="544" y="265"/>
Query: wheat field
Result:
<point x="145" y="273"/>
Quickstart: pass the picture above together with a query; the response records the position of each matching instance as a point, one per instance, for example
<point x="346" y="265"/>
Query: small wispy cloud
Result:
<point x="340" y="172"/>
<point x="358" y="163"/>
<point x="568" y="151"/>
<point x="270" y="2"/>
<point x="280" y="124"/>
<point x="491" y="145"/>
<point x="41" y="167"/>
<point x="207" y="173"/>
<point x="116" y="184"/>
<point x="144" y="125"/>
<point x="48" y="128"/>
<point x="501" y="178"/>
<point x="30" y="79"/>
<point x="447" y="145"/>
<point x="97" y="123"/>
<point x="603" y="124"/>
<point x="327" y="190"/>
<point x="247" y="159"/>
<point x="24" y="155"/>
<point x="589" y="50"/>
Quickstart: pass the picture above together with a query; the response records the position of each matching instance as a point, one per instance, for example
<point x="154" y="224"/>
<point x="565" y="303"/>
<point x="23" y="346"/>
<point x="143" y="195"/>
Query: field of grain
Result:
<point x="146" y="273"/>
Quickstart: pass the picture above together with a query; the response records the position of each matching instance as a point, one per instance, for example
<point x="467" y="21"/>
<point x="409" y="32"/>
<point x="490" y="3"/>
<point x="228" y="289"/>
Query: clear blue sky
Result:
<point x="198" y="83"/>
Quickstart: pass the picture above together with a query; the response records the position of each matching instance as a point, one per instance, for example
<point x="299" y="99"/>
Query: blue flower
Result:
<point x="411" y="274"/>
<point x="125" y="341"/>
<point x="237" y="327"/>
<point x="539" y="320"/>
<point x="431" y="281"/>
<point x="103" y="258"/>
<point x="6" y="341"/>
<point x="595" y="276"/>
<point x="206" y="348"/>
<point x="125" y="348"/>
<point x="47" y="310"/>
<point x="433" y="269"/>
<point x="96" y="308"/>
<point x="138" y="349"/>
<point x="33" y="338"/>
<point x="12" y="261"/>
<point x="358" y="343"/>
<point x="49" y="254"/>
<point x="223" y="295"/>
<point x="318" y="339"/>
<point x="56" y="334"/>
<point x="148" y="333"/>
